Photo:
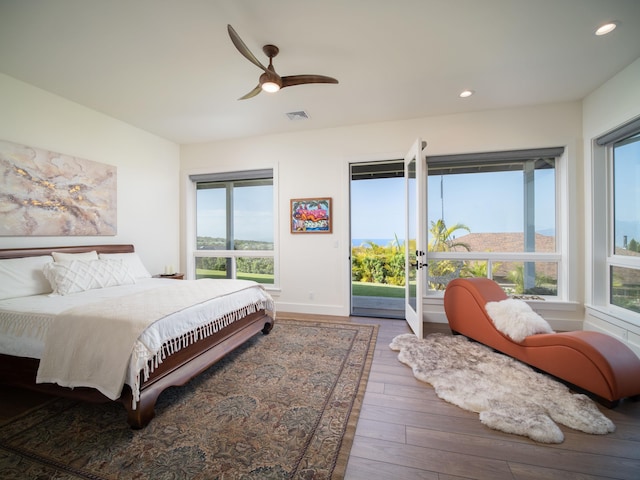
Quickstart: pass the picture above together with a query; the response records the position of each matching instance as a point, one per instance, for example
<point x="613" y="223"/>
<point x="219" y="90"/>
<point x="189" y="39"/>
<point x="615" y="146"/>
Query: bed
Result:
<point x="198" y="322"/>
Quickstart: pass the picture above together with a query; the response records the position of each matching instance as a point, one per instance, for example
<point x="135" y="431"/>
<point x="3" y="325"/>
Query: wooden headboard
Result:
<point x="34" y="252"/>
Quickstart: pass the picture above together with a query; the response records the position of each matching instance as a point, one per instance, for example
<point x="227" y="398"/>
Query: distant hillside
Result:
<point x="509" y="242"/>
<point x="627" y="276"/>
<point x="505" y="242"/>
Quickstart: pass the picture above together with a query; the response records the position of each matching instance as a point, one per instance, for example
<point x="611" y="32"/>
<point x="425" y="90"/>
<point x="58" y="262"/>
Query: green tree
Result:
<point x="475" y="269"/>
<point x="375" y="263"/>
<point x="516" y="276"/>
<point x="443" y="238"/>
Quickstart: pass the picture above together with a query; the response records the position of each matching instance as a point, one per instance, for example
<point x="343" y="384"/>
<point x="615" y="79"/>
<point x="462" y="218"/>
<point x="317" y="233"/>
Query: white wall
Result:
<point x="147" y="168"/>
<point x="315" y="163"/>
<point x="613" y="104"/>
<point x="151" y="171"/>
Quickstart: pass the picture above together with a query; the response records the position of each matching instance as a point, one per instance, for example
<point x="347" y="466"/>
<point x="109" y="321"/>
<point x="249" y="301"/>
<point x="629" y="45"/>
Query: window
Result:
<point x="235" y="226"/>
<point x="622" y="157"/>
<point x="494" y="215"/>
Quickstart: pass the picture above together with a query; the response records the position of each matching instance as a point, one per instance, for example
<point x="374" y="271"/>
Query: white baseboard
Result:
<point x="331" y="310"/>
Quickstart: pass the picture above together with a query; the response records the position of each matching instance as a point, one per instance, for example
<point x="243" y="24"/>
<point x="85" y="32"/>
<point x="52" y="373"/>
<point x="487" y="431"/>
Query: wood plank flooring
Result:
<point x="405" y="432"/>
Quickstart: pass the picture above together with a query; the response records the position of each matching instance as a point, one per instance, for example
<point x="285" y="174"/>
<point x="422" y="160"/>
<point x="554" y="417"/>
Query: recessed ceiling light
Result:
<point x="466" y="93"/>
<point x="606" y="28"/>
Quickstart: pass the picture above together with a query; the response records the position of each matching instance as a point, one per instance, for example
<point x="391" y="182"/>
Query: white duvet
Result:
<point x="24" y="322"/>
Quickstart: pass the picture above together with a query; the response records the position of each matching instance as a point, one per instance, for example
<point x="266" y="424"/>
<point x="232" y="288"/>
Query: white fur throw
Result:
<point x="516" y="319"/>
<point x="509" y="395"/>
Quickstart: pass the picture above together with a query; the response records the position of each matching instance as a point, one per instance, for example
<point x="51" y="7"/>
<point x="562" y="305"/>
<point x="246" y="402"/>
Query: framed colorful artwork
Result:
<point x="311" y="215"/>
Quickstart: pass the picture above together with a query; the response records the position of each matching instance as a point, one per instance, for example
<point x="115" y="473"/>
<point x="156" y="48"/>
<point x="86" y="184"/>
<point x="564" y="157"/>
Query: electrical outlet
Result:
<point x="310" y="295"/>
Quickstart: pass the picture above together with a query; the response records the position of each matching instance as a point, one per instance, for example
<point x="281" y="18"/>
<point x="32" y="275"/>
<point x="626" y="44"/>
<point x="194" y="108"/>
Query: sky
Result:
<point x="485" y="202"/>
<point x="377" y="208"/>
<point x="253" y="213"/>
<point x="627" y="199"/>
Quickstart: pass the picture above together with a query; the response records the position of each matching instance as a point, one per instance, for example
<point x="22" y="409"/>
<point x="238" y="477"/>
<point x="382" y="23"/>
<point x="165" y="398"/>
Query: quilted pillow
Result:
<point x="70" y="257"/>
<point x="78" y="276"/>
<point x="516" y="319"/>
<point x="22" y="277"/>
<point x="132" y="260"/>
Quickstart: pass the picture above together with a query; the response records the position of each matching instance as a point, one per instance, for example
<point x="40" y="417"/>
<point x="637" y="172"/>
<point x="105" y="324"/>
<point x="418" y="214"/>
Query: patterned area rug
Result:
<point x="509" y="395"/>
<point x="284" y="405"/>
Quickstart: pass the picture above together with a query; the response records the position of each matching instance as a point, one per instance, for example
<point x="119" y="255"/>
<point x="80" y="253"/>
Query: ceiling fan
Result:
<point x="270" y="81"/>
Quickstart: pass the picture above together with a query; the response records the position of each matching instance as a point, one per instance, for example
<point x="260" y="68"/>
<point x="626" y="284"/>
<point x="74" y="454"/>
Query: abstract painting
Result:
<point x="44" y="193"/>
<point x="311" y="215"/>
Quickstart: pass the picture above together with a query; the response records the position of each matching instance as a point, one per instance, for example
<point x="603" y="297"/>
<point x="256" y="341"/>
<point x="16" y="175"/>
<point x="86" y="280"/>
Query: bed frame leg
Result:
<point x="140" y="417"/>
<point x="145" y="409"/>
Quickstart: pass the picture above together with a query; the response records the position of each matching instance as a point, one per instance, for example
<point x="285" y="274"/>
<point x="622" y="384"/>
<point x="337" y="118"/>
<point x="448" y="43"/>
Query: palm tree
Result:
<point x="516" y="276"/>
<point x="443" y="239"/>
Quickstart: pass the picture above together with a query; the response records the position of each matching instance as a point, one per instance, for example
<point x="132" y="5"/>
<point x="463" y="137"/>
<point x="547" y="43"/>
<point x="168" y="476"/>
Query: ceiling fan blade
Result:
<point x="252" y="93"/>
<point x="243" y="49"/>
<point x="303" y="79"/>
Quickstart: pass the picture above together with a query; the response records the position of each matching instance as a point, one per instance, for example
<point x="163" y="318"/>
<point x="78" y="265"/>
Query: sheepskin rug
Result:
<point x="508" y="395"/>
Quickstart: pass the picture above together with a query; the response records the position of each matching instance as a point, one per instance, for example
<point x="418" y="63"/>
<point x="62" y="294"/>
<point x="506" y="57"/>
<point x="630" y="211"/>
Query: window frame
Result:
<point x="192" y="252"/>
<point x="605" y="257"/>
<point x="559" y="255"/>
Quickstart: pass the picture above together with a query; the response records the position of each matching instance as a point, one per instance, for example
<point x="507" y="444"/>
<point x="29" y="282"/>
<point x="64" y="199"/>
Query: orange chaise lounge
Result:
<point x="593" y="362"/>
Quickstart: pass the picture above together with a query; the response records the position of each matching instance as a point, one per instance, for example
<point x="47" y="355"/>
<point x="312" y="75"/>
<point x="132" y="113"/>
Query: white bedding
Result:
<point x="24" y="321"/>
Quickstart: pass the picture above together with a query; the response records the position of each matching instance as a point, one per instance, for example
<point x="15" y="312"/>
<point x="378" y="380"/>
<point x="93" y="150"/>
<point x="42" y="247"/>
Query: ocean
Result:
<point x="383" y="242"/>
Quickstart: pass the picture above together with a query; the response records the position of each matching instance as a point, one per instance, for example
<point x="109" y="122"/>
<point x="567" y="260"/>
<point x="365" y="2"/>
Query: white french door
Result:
<point x="415" y="175"/>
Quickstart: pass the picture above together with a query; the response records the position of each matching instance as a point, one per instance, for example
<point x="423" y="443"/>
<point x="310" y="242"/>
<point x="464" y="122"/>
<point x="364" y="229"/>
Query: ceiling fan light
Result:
<point x="270" y="87"/>
<point x="606" y="28"/>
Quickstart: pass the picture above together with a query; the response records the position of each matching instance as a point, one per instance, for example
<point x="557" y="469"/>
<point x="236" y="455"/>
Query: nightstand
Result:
<point x="172" y="276"/>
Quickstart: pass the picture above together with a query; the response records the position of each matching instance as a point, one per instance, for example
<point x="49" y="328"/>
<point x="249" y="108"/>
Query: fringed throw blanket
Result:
<point x="91" y="346"/>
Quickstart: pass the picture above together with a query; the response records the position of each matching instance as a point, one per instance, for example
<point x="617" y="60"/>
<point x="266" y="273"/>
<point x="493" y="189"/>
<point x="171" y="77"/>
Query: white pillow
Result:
<point x="132" y="260"/>
<point x="22" y="277"/>
<point x="516" y="319"/>
<point x="70" y="257"/>
<point x="78" y="276"/>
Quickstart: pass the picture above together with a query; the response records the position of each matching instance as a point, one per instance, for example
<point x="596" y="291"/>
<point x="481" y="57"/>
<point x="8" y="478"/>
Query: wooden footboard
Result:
<point x="176" y="369"/>
<point x="185" y="364"/>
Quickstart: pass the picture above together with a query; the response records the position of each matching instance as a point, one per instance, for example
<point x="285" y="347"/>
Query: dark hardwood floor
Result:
<point x="405" y="432"/>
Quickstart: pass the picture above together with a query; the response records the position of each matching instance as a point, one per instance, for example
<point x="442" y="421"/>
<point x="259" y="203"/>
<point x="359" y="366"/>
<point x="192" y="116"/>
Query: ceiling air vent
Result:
<point x="300" y="115"/>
